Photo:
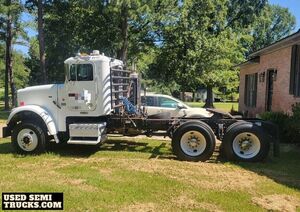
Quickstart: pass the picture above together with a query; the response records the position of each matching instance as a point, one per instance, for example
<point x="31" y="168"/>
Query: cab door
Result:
<point x="81" y="85"/>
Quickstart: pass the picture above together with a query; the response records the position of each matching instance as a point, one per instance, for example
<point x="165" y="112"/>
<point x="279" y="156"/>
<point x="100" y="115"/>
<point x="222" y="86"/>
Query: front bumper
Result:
<point x="6" y="132"/>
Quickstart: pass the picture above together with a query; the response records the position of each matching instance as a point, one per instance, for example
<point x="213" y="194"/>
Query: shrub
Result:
<point x="288" y="125"/>
<point x="280" y="119"/>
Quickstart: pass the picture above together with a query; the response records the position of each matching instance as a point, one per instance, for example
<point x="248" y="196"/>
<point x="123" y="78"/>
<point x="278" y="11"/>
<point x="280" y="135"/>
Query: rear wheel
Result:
<point x="193" y="141"/>
<point x="246" y="142"/>
<point x="28" y="138"/>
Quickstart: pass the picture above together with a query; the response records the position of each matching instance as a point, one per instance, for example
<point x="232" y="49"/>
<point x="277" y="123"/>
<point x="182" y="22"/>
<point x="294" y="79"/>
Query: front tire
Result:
<point x="246" y="142"/>
<point x="193" y="141"/>
<point x="28" y="138"/>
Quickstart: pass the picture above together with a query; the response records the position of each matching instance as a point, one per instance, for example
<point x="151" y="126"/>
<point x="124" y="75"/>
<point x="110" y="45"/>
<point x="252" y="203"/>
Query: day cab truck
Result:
<point x="100" y="97"/>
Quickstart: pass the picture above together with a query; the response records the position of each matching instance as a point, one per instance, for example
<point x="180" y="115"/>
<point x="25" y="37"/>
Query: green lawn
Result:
<point x="226" y="106"/>
<point x="142" y="175"/>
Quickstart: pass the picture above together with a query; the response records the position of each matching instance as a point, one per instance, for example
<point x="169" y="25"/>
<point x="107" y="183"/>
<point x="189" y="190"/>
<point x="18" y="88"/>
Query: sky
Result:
<point x="292" y="5"/>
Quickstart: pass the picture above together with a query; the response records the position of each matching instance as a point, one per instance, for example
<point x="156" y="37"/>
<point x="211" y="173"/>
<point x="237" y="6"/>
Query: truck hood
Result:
<point x="38" y="88"/>
<point x="37" y="95"/>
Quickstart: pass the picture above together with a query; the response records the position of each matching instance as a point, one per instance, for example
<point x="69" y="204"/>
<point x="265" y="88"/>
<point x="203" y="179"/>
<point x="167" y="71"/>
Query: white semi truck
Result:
<point x="100" y="97"/>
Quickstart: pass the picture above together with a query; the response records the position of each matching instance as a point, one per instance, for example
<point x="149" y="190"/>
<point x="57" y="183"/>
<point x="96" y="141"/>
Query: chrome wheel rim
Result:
<point x="193" y="143"/>
<point x="246" y="145"/>
<point x="27" y="140"/>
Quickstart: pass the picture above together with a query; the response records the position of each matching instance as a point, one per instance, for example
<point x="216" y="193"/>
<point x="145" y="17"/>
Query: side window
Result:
<point x="73" y="73"/>
<point x="84" y="72"/>
<point x="149" y="101"/>
<point x="81" y="72"/>
<point x="166" y="102"/>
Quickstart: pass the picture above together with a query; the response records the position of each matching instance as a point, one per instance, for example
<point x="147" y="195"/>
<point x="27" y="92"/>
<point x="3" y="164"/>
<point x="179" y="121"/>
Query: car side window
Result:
<point x="166" y="102"/>
<point x="150" y="101"/>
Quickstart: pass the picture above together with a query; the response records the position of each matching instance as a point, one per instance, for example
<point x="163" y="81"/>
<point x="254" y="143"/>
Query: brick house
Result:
<point x="270" y="79"/>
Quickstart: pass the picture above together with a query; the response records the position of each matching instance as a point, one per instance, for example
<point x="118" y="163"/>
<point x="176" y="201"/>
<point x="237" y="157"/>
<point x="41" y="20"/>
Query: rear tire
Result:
<point x="193" y="141"/>
<point x="246" y="142"/>
<point x="28" y="138"/>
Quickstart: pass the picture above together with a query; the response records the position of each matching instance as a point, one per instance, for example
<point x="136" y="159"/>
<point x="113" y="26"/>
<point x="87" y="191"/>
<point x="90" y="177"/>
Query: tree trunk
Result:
<point x="124" y="33"/>
<point x="209" y="103"/>
<point x="42" y="41"/>
<point x="9" y="76"/>
<point x="194" y="96"/>
<point x="182" y="96"/>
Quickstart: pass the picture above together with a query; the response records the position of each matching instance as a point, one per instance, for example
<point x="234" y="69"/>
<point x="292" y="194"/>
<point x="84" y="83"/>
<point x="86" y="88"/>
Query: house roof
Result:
<point x="287" y="41"/>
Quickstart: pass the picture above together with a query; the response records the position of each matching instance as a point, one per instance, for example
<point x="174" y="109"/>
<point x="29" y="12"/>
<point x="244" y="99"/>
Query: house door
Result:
<point x="270" y="85"/>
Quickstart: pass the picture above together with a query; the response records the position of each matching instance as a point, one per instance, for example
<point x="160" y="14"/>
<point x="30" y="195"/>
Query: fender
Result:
<point x="43" y="113"/>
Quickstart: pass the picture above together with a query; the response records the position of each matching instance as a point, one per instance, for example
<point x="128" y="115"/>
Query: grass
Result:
<point x="226" y="106"/>
<point x="140" y="174"/>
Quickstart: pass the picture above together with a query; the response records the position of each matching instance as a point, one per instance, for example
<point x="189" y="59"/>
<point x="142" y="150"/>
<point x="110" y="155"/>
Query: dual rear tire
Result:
<point x="193" y="141"/>
<point x="243" y="141"/>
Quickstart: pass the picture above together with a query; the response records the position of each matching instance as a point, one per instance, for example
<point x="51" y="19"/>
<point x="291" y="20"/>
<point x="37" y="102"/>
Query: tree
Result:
<point x="32" y="6"/>
<point x="197" y="48"/>
<point x="126" y="29"/>
<point x="274" y="23"/>
<point x="12" y="30"/>
<point x="33" y="63"/>
<point x="42" y="40"/>
<point x="241" y="14"/>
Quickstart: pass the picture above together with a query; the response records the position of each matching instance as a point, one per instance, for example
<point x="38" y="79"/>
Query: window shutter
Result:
<point x="255" y="90"/>
<point x="297" y="72"/>
<point x="246" y="90"/>
<point x="293" y="70"/>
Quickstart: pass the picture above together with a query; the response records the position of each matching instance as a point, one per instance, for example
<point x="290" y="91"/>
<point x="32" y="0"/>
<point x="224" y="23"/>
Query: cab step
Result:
<point x="87" y="140"/>
<point x="87" y="133"/>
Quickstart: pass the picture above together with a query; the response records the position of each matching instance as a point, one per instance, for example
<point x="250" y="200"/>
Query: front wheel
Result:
<point x="28" y="138"/>
<point x="193" y="141"/>
<point x="246" y="142"/>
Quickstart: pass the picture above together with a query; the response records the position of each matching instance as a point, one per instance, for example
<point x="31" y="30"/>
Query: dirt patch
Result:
<point x="78" y="183"/>
<point x="187" y="203"/>
<point x="140" y="207"/>
<point x="277" y="202"/>
<point x="197" y="174"/>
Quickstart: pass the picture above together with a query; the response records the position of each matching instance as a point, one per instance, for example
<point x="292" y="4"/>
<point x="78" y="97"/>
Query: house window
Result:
<point x="295" y="71"/>
<point x="250" y="90"/>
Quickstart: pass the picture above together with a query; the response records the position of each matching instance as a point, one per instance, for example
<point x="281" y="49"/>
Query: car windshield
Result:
<point x="178" y="101"/>
<point x="162" y="101"/>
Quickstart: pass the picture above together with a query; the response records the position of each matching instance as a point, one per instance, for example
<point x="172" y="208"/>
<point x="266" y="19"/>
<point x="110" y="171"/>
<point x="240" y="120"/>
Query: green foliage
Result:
<point x="274" y="23"/>
<point x="21" y="72"/>
<point x="32" y="62"/>
<point x="288" y="125"/>
<point x="198" y="49"/>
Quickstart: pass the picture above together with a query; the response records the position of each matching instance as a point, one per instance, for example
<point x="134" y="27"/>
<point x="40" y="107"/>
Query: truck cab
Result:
<point x="75" y="111"/>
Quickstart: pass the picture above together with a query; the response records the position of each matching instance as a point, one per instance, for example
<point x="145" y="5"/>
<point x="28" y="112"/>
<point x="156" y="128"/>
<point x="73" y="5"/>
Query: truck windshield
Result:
<point x="81" y="72"/>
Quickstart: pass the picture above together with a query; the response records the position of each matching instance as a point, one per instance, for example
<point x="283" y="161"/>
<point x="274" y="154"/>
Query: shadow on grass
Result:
<point x="160" y="150"/>
<point x="283" y="170"/>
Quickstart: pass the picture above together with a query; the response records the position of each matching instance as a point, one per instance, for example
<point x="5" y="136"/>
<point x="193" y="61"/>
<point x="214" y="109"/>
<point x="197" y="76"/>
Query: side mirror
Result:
<point x="180" y="106"/>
